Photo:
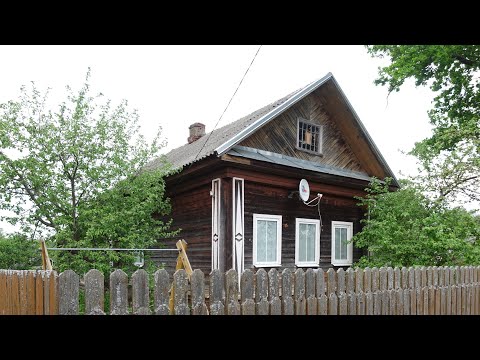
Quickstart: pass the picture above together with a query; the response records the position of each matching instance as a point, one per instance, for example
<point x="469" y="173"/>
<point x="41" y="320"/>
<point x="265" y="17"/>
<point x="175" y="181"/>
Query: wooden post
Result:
<point x="341" y="281"/>
<point x="162" y="286"/>
<point x="94" y="295"/>
<point x="323" y="305"/>
<point x="274" y="292"/>
<point x="392" y="300"/>
<point x="431" y="298"/>
<point x="288" y="306"/>
<point x="68" y="289"/>
<point x="197" y="286"/>
<point x="231" y="291"/>
<point x="262" y="306"/>
<point x="400" y="301"/>
<point x="246" y="290"/>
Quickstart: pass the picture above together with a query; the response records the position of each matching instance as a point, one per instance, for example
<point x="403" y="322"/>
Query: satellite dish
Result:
<point x="304" y="190"/>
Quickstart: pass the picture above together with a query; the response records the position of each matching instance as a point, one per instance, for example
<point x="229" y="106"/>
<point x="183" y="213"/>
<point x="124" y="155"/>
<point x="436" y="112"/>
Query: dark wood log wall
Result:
<point x="280" y="136"/>
<point x="192" y="213"/>
<point x="266" y="199"/>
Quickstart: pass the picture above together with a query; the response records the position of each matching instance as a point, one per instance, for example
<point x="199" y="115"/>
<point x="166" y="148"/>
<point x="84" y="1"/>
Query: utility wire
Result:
<point x="218" y="121"/>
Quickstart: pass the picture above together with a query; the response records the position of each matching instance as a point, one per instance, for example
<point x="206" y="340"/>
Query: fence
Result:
<point x="384" y="291"/>
<point x="28" y="292"/>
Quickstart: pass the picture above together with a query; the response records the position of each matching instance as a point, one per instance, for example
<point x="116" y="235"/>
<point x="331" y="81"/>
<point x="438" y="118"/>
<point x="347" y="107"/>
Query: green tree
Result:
<point x="73" y="175"/>
<point x="19" y="253"/>
<point x="452" y="73"/>
<point x="406" y="228"/>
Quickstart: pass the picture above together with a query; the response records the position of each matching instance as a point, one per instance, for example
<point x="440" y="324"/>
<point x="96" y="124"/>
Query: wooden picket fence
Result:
<point x="383" y="291"/>
<point x="25" y="292"/>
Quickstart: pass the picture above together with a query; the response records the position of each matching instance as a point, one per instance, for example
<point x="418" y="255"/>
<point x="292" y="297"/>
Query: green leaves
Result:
<point x="405" y="228"/>
<point x="72" y="173"/>
<point x="452" y="72"/>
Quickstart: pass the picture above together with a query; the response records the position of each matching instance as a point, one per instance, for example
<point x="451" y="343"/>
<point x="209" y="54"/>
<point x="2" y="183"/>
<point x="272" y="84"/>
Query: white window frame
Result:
<point x="349" y="226"/>
<point x="316" y="261"/>
<point x="268" y="217"/>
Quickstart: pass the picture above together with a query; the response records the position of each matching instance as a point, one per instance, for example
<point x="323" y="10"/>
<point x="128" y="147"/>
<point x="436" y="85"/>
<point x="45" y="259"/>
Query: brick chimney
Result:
<point x="197" y="130"/>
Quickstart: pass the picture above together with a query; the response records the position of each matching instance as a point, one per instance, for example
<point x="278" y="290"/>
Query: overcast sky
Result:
<point x="175" y="86"/>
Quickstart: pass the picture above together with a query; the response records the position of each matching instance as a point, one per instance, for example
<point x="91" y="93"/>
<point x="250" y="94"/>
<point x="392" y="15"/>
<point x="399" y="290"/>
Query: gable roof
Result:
<point x="222" y="140"/>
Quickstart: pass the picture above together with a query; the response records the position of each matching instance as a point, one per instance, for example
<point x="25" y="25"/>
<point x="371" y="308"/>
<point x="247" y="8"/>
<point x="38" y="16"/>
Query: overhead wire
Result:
<point x="224" y="111"/>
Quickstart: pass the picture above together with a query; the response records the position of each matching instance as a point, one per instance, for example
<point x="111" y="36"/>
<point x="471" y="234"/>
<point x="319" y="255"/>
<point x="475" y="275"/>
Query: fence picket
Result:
<point x="197" y="286"/>
<point x="231" y="293"/>
<point x="299" y="292"/>
<point x="261" y="292"/>
<point x="217" y="292"/>
<point x="68" y="293"/>
<point x="162" y="288"/>
<point x="288" y="305"/>
<point x="310" y="281"/>
<point x="274" y="292"/>
<point x="246" y="293"/>
<point x="141" y="296"/>
<point x="94" y="295"/>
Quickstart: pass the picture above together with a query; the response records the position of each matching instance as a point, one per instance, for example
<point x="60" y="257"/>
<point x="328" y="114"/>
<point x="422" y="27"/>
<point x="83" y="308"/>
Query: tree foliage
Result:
<point x="452" y="73"/>
<point x="73" y="174"/>
<point x="17" y="252"/>
<point x="406" y="228"/>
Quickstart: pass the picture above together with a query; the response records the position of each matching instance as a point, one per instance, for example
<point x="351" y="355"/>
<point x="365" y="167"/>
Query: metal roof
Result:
<point x="280" y="159"/>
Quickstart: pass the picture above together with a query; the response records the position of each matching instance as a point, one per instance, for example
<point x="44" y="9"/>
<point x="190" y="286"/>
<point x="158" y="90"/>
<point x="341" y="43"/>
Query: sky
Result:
<point x="175" y="86"/>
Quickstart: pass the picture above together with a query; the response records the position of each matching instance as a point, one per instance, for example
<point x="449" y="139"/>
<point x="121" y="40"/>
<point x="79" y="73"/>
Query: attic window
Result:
<point x="309" y="136"/>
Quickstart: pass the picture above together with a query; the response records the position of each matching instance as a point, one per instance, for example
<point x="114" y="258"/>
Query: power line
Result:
<point x="218" y="121"/>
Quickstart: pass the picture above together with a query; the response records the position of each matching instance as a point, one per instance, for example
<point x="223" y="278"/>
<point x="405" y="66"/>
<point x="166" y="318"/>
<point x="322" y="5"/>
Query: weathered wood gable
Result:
<point x="280" y="136"/>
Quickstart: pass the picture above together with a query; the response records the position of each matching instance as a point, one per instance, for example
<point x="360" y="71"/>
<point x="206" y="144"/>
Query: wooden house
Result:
<point x="236" y="197"/>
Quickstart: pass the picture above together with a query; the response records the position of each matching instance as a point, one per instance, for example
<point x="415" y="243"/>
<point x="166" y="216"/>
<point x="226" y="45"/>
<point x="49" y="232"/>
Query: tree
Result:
<point x="19" y="253"/>
<point x="71" y="173"/>
<point x="406" y="228"/>
<point x="452" y="72"/>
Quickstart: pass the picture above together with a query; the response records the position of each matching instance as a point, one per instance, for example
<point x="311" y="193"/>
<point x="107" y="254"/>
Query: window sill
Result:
<point x="307" y="264"/>
<point x="267" y="265"/>
<point x="342" y="264"/>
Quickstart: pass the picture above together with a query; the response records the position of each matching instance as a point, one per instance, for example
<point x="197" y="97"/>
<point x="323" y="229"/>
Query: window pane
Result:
<point x="266" y="241"/>
<point x="271" y="241"/>
<point x="261" y="243"/>
<point x="337" y="243"/>
<point x="343" y="248"/>
<point x="306" y="242"/>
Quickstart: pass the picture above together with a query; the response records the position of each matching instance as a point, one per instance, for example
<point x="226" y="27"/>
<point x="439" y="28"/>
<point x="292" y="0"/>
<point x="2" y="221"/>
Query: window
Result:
<point x="267" y="240"/>
<point x="307" y="242"/>
<point x="309" y="136"/>
<point x="342" y="249"/>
